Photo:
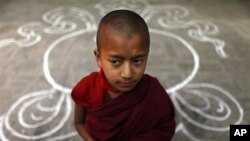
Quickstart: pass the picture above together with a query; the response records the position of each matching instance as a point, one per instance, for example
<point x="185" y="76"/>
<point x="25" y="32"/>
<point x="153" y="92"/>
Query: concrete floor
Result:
<point x="199" y="51"/>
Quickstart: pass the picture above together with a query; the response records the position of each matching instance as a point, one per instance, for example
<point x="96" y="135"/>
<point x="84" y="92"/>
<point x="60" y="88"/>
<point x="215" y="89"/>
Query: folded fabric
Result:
<point x="144" y="114"/>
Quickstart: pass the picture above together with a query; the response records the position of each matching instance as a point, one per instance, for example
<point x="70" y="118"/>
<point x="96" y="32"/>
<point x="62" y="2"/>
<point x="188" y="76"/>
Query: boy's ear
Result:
<point x="97" y="57"/>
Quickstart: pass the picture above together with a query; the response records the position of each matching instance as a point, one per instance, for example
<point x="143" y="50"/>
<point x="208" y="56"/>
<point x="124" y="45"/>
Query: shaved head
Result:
<point x="123" y="22"/>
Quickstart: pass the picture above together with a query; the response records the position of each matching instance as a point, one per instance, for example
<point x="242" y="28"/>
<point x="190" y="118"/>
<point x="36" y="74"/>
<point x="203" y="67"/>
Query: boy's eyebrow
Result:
<point x="121" y="57"/>
<point x="139" y="56"/>
<point x="116" y="56"/>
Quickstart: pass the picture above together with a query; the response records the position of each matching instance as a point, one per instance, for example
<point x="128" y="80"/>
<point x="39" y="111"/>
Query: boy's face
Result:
<point x="123" y="59"/>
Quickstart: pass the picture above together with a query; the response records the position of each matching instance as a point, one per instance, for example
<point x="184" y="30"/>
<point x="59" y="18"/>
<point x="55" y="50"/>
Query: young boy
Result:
<point x="120" y="102"/>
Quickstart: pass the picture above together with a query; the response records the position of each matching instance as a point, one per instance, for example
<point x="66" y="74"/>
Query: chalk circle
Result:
<point x="174" y="88"/>
<point x="73" y="59"/>
<point x="192" y="52"/>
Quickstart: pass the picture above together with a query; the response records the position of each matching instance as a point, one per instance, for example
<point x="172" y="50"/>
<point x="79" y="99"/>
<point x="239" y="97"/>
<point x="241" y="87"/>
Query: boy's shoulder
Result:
<point x="151" y="78"/>
<point x="81" y="91"/>
<point x="87" y="80"/>
<point x="155" y="82"/>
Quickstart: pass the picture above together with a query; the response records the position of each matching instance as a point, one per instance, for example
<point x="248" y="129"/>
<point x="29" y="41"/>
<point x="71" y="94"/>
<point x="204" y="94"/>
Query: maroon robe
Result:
<point x="90" y="90"/>
<point x="146" y="113"/>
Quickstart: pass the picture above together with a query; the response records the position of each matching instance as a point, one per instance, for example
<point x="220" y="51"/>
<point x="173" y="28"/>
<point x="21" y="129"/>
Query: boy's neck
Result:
<point x="113" y="95"/>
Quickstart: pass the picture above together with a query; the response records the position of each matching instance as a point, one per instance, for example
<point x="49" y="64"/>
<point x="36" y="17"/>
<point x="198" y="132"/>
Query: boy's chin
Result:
<point x="124" y="89"/>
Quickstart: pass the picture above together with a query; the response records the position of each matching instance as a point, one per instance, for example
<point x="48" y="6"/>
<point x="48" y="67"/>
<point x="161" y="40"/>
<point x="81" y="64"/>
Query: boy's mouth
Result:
<point x="126" y="84"/>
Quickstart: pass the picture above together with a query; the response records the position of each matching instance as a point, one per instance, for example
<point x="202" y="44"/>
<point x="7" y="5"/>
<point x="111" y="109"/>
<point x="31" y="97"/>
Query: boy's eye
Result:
<point x="137" y="61"/>
<point x="115" y="62"/>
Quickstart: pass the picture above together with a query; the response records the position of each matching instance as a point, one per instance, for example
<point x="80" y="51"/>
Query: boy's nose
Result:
<point x="126" y="71"/>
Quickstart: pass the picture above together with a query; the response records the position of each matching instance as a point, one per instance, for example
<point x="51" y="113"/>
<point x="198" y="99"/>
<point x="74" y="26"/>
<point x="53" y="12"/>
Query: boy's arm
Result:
<point x="165" y="130"/>
<point x="79" y="120"/>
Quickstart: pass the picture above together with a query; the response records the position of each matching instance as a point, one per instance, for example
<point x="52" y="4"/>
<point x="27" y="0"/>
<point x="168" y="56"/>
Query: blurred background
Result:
<point x="199" y="52"/>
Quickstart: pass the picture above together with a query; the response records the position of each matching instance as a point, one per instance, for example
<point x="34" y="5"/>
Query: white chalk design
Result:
<point x="35" y="99"/>
<point x="54" y="23"/>
<point x="199" y="30"/>
<point x="34" y="111"/>
<point x="217" y="117"/>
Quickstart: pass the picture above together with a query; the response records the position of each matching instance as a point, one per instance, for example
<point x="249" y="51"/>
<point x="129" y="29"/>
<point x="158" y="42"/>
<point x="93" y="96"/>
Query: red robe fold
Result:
<point x="90" y="90"/>
<point x="144" y="114"/>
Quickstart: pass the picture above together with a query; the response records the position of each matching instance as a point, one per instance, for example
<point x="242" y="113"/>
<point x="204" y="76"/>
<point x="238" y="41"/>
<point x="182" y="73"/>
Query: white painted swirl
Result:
<point x="28" y="101"/>
<point x="171" y="18"/>
<point x="219" y="115"/>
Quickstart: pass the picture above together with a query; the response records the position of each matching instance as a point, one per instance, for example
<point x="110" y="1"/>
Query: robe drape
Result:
<point x="146" y="113"/>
